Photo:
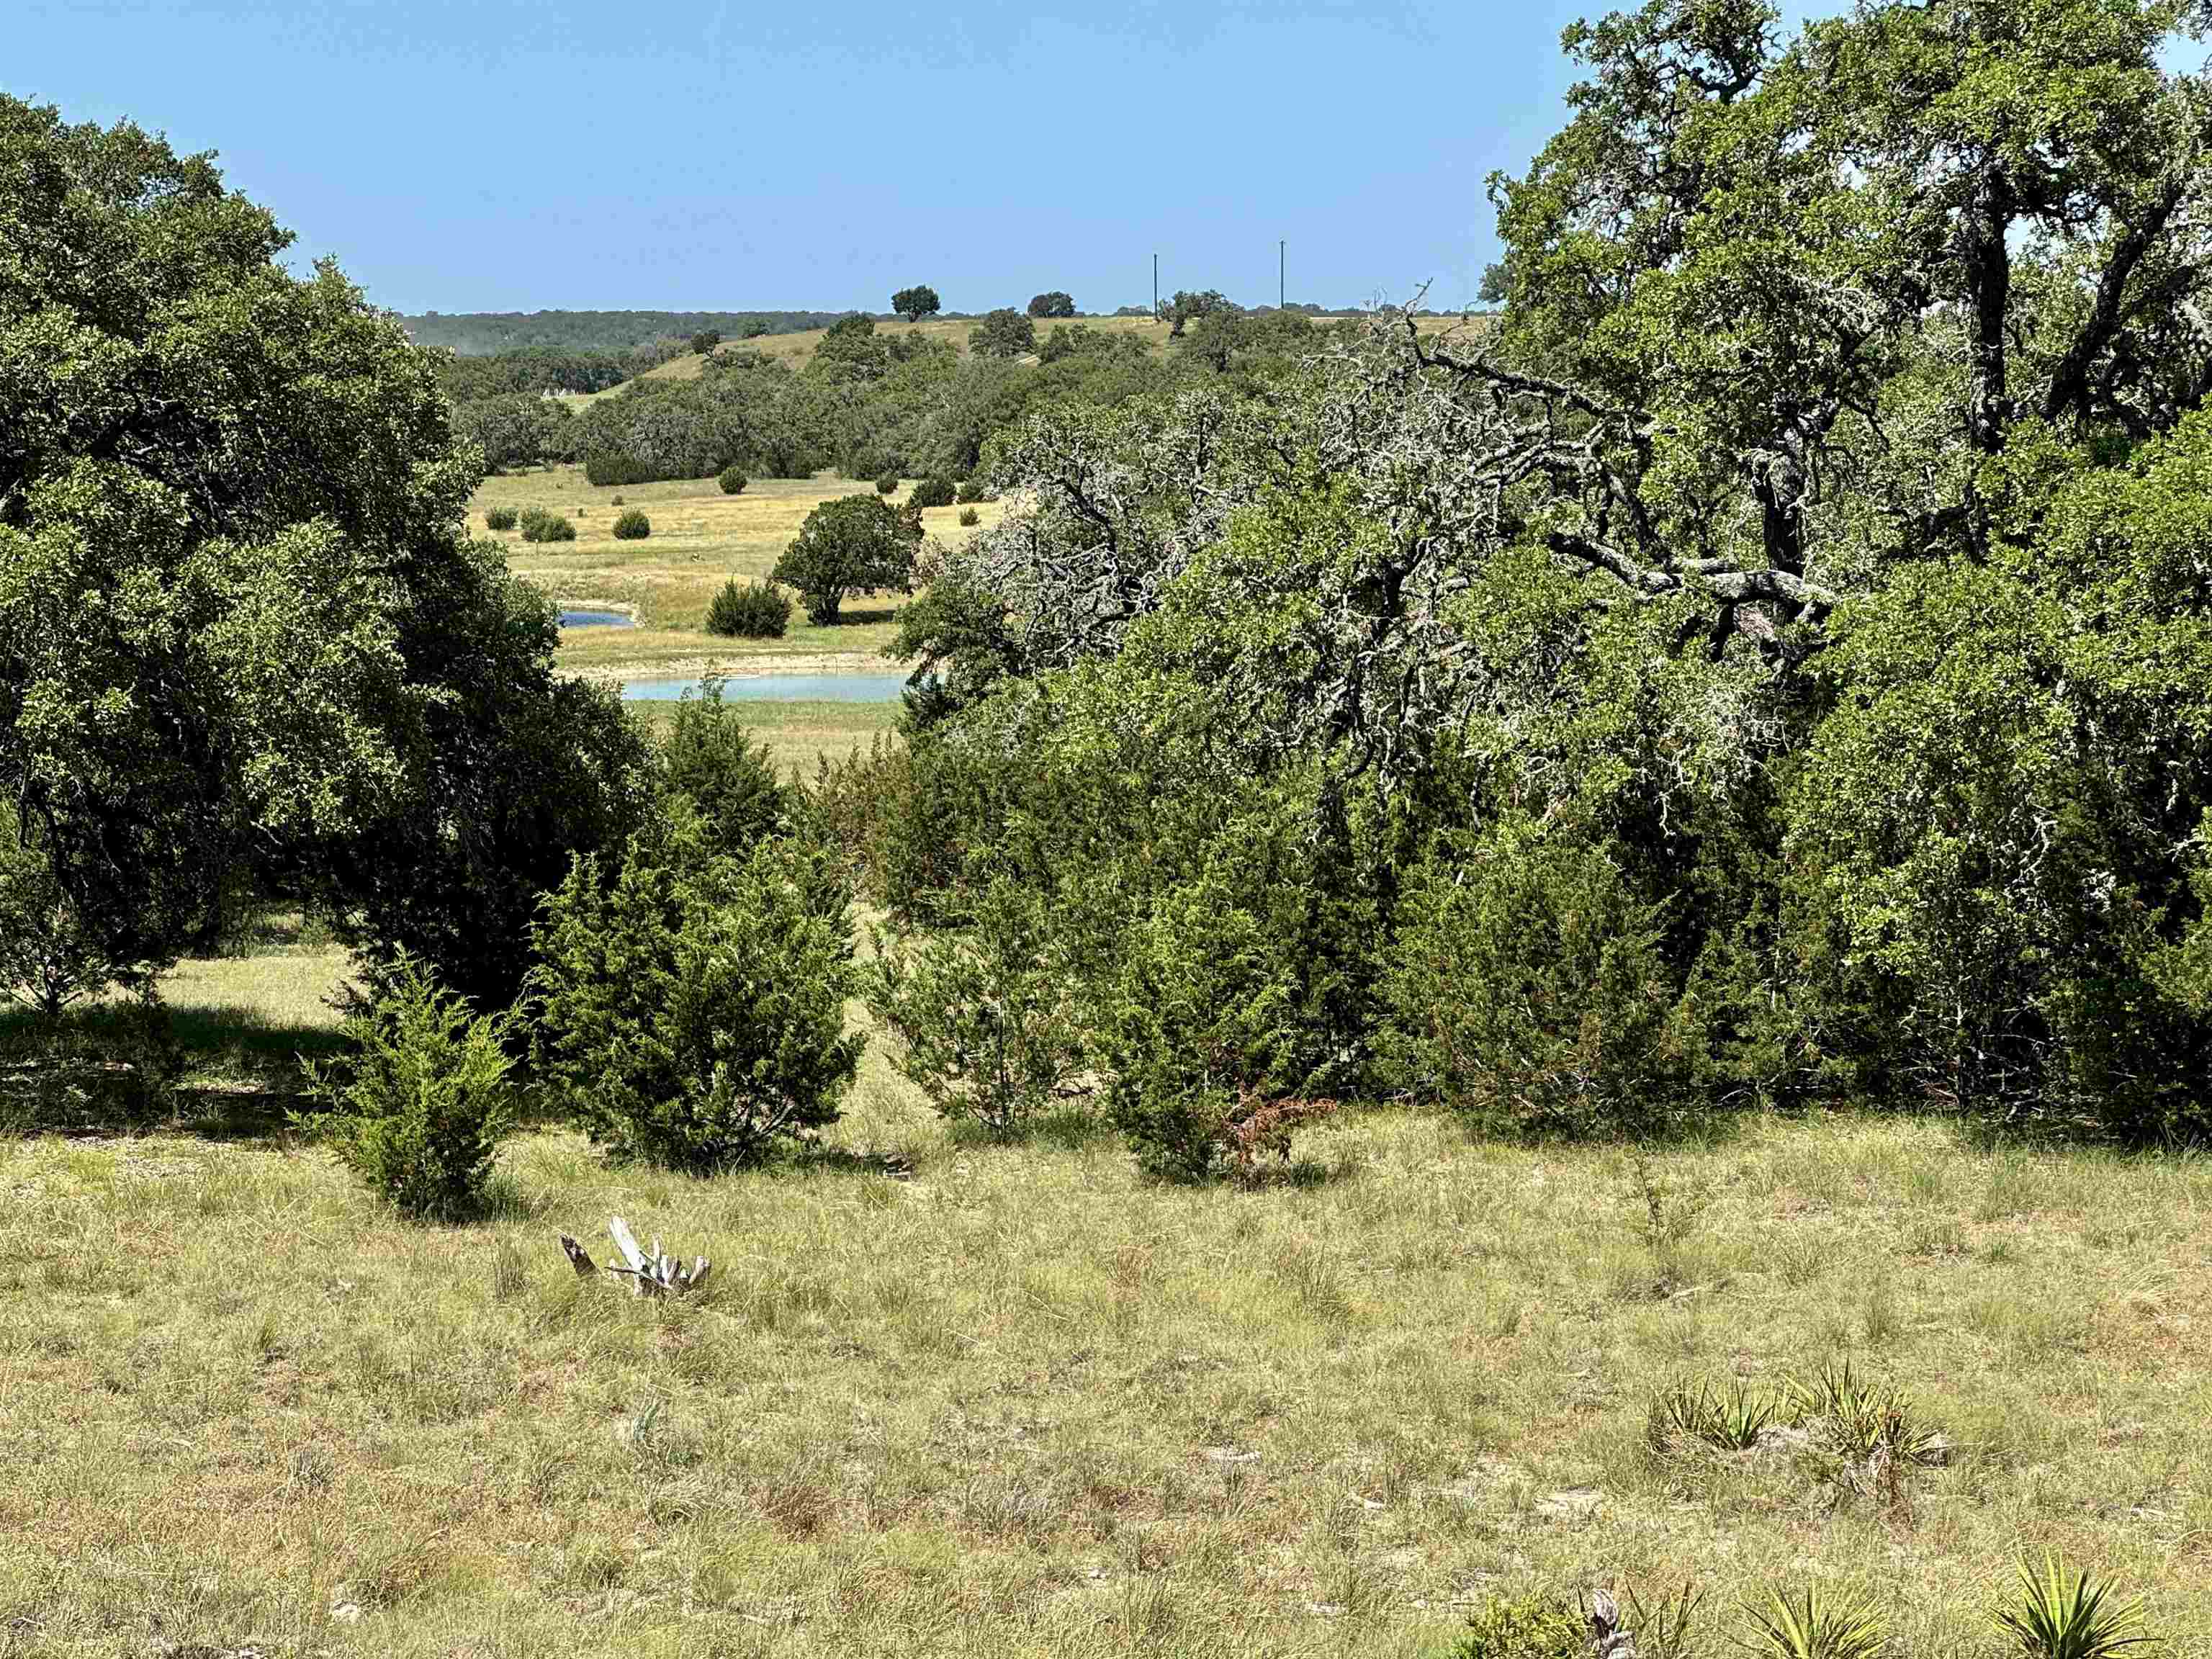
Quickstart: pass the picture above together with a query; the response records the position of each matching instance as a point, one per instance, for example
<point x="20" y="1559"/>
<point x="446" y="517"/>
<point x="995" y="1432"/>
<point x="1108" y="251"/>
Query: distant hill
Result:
<point x="482" y="333"/>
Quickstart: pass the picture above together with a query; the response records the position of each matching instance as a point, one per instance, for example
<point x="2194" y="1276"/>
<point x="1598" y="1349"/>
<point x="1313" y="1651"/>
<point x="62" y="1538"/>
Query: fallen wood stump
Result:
<point x="650" y="1275"/>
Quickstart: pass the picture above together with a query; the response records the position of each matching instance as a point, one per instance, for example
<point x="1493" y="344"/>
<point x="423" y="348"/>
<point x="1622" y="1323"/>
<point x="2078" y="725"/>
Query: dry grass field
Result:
<point x="700" y="538"/>
<point x="943" y="1397"/>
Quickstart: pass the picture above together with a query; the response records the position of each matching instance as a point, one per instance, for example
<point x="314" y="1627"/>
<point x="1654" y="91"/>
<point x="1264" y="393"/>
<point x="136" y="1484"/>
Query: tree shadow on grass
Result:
<point x="1069" y="1128"/>
<point x="222" y="1071"/>
<point x="814" y="1158"/>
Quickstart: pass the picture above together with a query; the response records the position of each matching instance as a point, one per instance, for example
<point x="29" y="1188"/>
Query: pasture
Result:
<point x="941" y="1396"/>
<point x="700" y="539"/>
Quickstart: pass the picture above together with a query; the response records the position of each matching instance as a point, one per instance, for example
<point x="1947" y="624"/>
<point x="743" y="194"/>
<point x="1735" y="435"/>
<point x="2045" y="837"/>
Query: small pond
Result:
<point x="597" y="619"/>
<point x="778" y="687"/>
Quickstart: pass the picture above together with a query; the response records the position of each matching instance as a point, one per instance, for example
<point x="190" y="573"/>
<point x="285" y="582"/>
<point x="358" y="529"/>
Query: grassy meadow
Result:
<point x="947" y="1397"/>
<point x="700" y="538"/>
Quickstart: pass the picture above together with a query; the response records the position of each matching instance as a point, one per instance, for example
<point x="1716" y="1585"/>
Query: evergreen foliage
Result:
<point x="419" y="1106"/>
<point x="690" y="1004"/>
<point x="749" y="610"/>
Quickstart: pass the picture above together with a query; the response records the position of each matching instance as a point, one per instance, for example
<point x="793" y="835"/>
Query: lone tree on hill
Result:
<point x="917" y="302"/>
<point x="1054" y="304"/>
<point x="1004" y="333"/>
<point x="852" y="542"/>
<point x="1188" y="307"/>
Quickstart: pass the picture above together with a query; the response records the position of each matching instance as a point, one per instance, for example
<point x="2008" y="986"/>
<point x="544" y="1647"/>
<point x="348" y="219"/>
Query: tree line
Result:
<point x="1770" y="664"/>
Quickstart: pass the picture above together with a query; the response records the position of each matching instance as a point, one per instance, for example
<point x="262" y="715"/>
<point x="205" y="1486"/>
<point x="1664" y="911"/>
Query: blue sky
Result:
<point x="521" y="155"/>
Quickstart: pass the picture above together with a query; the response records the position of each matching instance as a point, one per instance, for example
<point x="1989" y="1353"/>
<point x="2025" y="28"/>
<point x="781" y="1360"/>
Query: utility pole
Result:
<point x="1282" y="265"/>
<point x="1156" y="287"/>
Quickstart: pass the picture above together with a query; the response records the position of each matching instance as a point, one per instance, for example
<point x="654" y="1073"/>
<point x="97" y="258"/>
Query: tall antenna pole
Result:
<point x="1156" y="287"/>
<point x="1282" y="266"/>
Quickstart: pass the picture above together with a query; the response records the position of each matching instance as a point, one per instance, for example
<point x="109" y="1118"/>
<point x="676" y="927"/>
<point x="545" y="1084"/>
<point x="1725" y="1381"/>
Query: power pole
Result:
<point x="1156" y="287"/>
<point x="1282" y="265"/>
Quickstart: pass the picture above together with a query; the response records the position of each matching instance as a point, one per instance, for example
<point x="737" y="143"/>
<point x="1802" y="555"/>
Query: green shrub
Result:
<point x="614" y="500"/>
<point x="1997" y="858"/>
<point x="50" y="956"/>
<point x="1525" y="1627"/>
<point x="749" y="610"/>
<point x="1229" y="1008"/>
<point x="986" y="1014"/>
<point x="419" y="1108"/>
<point x="1529" y="992"/>
<point x="633" y="526"/>
<point x="887" y="484"/>
<point x="932" y="492"/>
<point x="712" y="761"/>
<point x="1197" y="1032"/>
<point x="971" y="490"/>
<point x="733" y="480"/>
<point x="969" y="517"/>
<point x="498" y="518"/>
<point x="540" y="526"/>
<point x="691" y="1009"/>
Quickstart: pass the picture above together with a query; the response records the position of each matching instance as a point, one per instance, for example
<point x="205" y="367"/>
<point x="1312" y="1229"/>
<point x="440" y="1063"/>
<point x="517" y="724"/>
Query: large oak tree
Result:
<point x="241" y="629"/>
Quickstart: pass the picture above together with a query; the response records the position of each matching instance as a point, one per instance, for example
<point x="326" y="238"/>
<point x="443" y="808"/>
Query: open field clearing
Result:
<point x="946" y="1397"/>
<point x="700" y="538"/>
<point x="1019" y="1402"/>
<point x="797" y="348"/>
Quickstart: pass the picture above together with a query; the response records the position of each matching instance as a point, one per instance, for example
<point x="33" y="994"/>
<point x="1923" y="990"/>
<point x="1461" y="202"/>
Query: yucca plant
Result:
<point x="1662" y="1627"/>
<point x="1814" y="1628"/>
<point x="1680" y="1412"/>
<point x="1732" y="1419"/>
<point x="2056" y="1618"/>
<point x="1861" y="1417"/>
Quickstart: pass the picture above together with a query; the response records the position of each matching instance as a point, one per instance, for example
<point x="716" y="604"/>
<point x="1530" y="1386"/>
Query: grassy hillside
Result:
<point x="944" y="1398"/>
<point x="477" y="333"/>
<point x="700" y="538"/>
<point x="797" y="348"/>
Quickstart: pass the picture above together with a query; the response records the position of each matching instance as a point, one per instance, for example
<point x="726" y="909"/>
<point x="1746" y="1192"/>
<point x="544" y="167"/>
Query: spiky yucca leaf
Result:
<point x="2054" y="1618"/>
<point x="1815" y="1628"/>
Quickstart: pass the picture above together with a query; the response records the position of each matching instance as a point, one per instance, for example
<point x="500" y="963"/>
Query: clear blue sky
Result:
<point x="713" y="154"/>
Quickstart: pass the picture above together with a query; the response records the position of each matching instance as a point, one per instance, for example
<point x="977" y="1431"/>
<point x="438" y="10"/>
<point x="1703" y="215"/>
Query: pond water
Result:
<point x="778" y="687"/>
<point x="596" y="619"/>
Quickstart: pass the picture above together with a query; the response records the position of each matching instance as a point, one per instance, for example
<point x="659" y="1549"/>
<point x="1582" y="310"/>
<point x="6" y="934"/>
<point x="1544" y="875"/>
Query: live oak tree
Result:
<point x="1056" y="303"/>
<point x="242" y="627"/>
<point x="1003" y="333"/>
<point x="1802" y="570"/>
<point x="851" y="351"/>
<point x="1187" y="306"/>
<point x="1770" y="304"/>
<point x="917" y="302"/>
<point x="848" y="543"/>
